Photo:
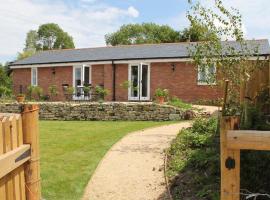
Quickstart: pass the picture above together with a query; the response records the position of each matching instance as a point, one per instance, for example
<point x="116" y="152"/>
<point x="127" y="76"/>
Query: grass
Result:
<point x="176" y="102"/>
<point x="71" y="151"/>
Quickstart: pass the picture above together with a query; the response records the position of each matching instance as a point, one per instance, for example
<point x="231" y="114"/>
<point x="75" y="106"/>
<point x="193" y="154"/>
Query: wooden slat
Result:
<point x="2" y="180"/>
<point x="8" y="160"/>
<point x="7" y="148"/>
<point x="230" y="178"/>
<point x="21" y="168"/>
<point x="15" y="173"/>
<point x="252" y="140"/>
<point x="31" y="136"/>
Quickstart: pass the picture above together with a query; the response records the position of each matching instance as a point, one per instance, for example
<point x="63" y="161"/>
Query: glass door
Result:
<point x="77" y="82"/>
<point x="82" y="75"/>
<point x="133" y="82"/>
<point x="145" y="83"/>
<point x="139" y="80"/>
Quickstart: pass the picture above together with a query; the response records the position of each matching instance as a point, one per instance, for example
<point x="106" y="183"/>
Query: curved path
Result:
<point x="133" y="168"/>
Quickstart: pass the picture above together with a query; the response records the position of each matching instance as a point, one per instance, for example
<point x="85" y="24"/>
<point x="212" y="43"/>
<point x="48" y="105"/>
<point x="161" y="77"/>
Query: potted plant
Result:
<point x="20" y="98"/>
<point x="53" y="91"/>
<point x="69" y="92"/>
<point x="101" y="92"/>
<point x="161" y="94"/>
<point x="86" y="91"/>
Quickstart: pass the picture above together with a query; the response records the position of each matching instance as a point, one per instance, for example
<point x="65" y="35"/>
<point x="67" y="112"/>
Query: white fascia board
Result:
<point x="153" y="60"/>
<point x="61" y="64"/>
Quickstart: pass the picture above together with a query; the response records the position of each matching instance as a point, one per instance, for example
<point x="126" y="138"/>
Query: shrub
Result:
<point x="161" y="92"/>
<point x="34" y="91"/>
<point x="101" y="92"/>
<point x="194" y="161"/>
<point x="53" y="91"/>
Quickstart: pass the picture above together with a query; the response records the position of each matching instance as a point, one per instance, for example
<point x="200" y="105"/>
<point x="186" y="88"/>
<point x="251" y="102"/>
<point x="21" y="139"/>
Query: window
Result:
<point x="207" y="75"/>
<point x="34" y="76"/>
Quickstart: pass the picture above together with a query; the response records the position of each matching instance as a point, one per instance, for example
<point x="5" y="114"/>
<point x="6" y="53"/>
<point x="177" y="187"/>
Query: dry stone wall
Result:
<point x="102" y="111"/>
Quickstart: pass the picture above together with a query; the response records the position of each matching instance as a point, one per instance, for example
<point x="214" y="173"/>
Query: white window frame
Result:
<point x="199" y="82"/>
<point x="32" y="80"/>
<point x="82" y="78"/>
<point x="139" y="98"/>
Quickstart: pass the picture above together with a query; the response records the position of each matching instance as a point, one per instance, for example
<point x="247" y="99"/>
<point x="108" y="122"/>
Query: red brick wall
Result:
<point x="97" y="75"/>
<point x="181" y="83"/>
<point x="46" y="78"/>
<point x="121" y="93"/>
<point x="21" y="77"/>
<point x="63" y="75"/>
<point x="108" y="81"/>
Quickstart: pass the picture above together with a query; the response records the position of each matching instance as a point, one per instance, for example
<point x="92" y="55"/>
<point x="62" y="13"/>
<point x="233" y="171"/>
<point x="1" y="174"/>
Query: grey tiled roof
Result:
<point x="129" y="52"/>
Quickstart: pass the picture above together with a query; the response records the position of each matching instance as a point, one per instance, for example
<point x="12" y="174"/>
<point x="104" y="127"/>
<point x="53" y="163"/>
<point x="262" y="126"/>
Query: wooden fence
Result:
<point x="19" y="155"/>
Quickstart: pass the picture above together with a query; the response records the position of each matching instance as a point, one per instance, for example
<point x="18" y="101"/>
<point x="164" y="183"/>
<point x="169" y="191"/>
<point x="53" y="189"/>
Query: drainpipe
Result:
<point x="114" y="80"/>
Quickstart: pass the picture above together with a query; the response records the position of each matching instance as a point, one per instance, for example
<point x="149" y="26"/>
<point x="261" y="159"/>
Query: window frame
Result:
<point x="36" y="73"/>
<point x="199" y="82"/>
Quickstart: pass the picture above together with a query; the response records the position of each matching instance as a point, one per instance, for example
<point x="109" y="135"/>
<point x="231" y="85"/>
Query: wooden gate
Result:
<point x="19" y="155"/>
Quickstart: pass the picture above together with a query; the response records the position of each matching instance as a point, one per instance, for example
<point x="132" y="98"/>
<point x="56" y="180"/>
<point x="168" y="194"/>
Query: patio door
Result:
<point x="81" y="78"/>
<point x="139" y="79"/>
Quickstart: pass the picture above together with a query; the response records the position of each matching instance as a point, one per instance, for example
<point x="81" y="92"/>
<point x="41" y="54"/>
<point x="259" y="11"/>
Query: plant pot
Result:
<point x="161" y="100"/>
<point x="20" y="99"/>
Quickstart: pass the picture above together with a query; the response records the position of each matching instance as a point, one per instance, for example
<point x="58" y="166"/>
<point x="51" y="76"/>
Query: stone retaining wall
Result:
<point x="103" y="111"/>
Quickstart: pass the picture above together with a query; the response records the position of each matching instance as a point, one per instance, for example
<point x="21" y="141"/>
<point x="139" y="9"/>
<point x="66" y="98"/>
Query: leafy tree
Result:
<point x="51" y="36"/>
<point x="25" y="54"/>
<point x="232" y="63"/>
<point x="5" y="82"/>
<point x="48" y="36"/>
<point x="146" y="33"/>
<point x="31" y="40"/>
<point x="195" y="33"/>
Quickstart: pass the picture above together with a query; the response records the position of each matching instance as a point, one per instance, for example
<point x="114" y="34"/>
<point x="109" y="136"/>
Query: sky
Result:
<point x="87" y="21"/>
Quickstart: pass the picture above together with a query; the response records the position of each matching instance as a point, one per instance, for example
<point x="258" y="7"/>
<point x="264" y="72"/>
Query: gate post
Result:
<point x="230" y="162"/>
<point x="31" y="136"/>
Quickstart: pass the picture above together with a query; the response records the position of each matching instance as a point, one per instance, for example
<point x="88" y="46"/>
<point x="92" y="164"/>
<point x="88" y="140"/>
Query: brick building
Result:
<point x="145" y="67"/>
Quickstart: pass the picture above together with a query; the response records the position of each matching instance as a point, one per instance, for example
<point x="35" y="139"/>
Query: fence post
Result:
<point x="31" y="136"/>
<point x="230" y="162"/>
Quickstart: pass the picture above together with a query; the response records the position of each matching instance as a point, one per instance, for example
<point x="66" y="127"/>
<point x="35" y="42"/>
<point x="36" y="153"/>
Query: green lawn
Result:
<point x="70" y="152"/>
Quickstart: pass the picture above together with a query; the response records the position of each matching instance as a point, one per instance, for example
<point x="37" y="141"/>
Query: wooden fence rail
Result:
<point x="19" y="155"/>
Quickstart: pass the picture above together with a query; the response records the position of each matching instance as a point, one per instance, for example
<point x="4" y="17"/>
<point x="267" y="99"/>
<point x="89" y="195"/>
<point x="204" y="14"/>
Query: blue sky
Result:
<point x="89" y="20"/>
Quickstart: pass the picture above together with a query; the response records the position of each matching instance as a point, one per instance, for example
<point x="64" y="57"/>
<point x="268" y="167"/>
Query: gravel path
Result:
<point x="133" y="168"/>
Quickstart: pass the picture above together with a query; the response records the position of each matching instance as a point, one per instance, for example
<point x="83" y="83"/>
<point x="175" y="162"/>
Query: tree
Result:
<point x="31" y="40"/>
<point x="146" y="33"/>
<point x="232" y="63"/>
<point x="195" y="33"/>
<point x="48" y="36"/>
<point x="5" y="82"/>
<point x="51" y="36"/>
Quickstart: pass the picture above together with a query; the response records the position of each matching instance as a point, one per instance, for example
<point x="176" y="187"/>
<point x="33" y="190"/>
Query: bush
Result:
<point x="101" y="92"/>
<point x="5" y="83"/>
<point x="34" y="92"/>
<point x="193" y="162"/>
<point x="53" y="91"/>
<point x="161" y="92"/>
<point x="174" y="101"/>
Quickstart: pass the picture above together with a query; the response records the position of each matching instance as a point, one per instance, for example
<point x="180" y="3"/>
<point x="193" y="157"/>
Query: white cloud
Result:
<point x="133" y="12"/>
<point x="87" y="23"/>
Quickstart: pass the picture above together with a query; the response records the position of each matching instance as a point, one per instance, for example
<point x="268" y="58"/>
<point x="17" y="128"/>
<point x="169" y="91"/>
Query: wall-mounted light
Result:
<point x="53" y="71"/>
<point x="173" y="67"/>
